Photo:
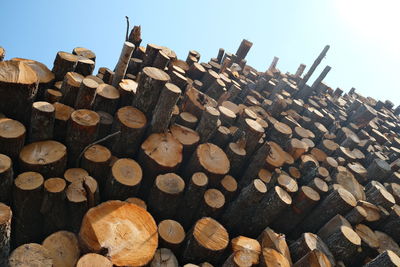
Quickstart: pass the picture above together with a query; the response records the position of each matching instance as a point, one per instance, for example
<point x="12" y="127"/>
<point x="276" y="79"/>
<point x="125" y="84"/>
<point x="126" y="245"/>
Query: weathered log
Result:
<point x="27" y="200"/>
<point x="159" y="153"/>
<point x="163" y="111"/>
<point x="28" y="254"/>
<point x="81" y="131"/>
<point x="339" y="201"/>
<point x="46" y="157"/>
<point x="191" y="200"/>
<point x="5" y="233"/>
<point x="101" y="231"/>
<point x="63" y="248"/>
<point x="171" y="235"/>
<point x="53" y="206"/>
<point x="124" y="180"/>
<point x="165" y="196"/>
<point x="86" y="94"/>
<point x="106" y="98"/>
<point x="211" y="160"/>
<point x="206" y="241"/>
<point x="150" y="84"/>
<point x="131" y="122"/>
<point x="93" y="259"/>
<point x="122" y="64"/>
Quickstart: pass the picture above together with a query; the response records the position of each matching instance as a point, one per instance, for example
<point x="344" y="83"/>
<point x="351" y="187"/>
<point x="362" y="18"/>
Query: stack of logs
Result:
<point x="170" y="162"/>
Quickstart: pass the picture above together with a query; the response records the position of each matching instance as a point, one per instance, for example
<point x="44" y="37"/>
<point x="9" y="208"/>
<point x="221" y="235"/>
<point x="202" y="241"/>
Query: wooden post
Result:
<point x="122" y="64"/>
<point x="313" y="67"/>
<point x="42" y="121"/>
<point x="5" y="233"/>
<point x="206" y="242"/>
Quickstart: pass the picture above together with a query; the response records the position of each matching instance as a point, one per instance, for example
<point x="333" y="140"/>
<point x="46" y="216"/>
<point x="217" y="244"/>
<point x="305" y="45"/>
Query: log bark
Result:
<point x="102" y="227"/>
<point x="150" y="54"/>
<point x="81" y="131"/>
<point x="42" y="121"/>
<point x="196" y="71"/>
<point x="63" y="63"/>
<point x="27" y="254"/>
<point x="46" y="157"/>
<point x="86" y="94"/>
<point x="391" y="224"/>
<point x="131" y="122"/>
<point x="221" y="136"/>
<point x="206" y="241"/>
<point x="339" y="201"/>
<point x="124" y="180"/>
<point x="70" y="88"/>
<point x="106" y="98"/>
<point x="237" y="158"/>
<point x="122" y="64"/>
<point x="150" y="84"/>
<point x="191" y="199"/>
<point x="93" y="259"/>
<point x="171" y="235"/>
<point x="63" y="248"/>
<point x="6" y="179"/>
<point x="54" y="206"/>
<point x="27" y="199"/>
<point x="5" y="233"/>
<point x="211" y="160"/>
<point x="165" y="196"/>
<point x="163" y="111"/>
<point x="159" y="153"/>
<point x="195" y="102"/>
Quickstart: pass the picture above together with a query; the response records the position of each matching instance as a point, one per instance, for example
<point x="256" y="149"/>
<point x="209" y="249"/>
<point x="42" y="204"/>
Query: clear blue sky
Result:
<point x="363" y="34"/>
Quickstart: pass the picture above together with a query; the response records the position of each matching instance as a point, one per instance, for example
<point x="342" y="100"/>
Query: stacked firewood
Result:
<point x="171" y="162"/>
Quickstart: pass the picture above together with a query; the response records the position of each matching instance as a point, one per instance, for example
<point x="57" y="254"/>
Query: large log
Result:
<point x="126" y="233"/>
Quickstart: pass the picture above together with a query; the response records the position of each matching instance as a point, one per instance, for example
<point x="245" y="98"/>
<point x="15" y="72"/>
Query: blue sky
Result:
<point x="363" y="34"/>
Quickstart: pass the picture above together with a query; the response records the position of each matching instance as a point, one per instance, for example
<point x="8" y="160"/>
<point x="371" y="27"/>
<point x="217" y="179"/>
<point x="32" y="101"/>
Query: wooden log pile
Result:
<point x="170" y="162"/>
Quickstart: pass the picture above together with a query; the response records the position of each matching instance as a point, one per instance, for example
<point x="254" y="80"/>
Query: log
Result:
<point x="369" y="244"/>
<point x="378" y="170"/>
<point x="343" y="243"/>
<point x="54" y="206"/>
<point x="84" y="66"/>
<point x="29" y="254"/>
<point x="191" y="199"/>
<point x="150" y="84"/>
<point x="52" y="96"/>
<point x="125" y="232"/>
<point x="171" y="235"/>
<point x="239" y="258"/>
<point x="391" y="224"/>
<point x="48" y="158"/>
<point x="186" y="119"/>
<point x="63" y="63"/>
<point x="161" y="60"/>
<point x="257" y="161"/>
<point x="96" y="161"/>
<point x="313" y="258"/>
<point x="5" y="233"/>
<point x="339" y="201"/>
<point x="252" y="132"/>
<point x="77" y="205"/>
<point x="387" y="243"/>
<point x="159" y="153"/>
<point x="196" y="71"/>
<point x="163" y="111"/>
<point x="42" y="121"/>
<point x="27" y="199"/>
<point x="63" y="248"/>
<point x="280" y="133"/>
<point x="211" y="160"/>
<point x="18" y="88"/>
<point x="206" y="241"/>
<point x="319" y="185"/>
<point x="62" y="116"/>
<point x="127" y="90"/>
<point x="86" y="94"/>
<point x="243" y="206"/>
<point x="150" y="54"/>
<point x="6" y="179"/>
<point x="236" y="154"/>
<point x="271" y="257"/>
<point x="106" y="98"/>
<point x="187" y="137"/>
<point x="221" y="136"/>
<point x="70" y="88"/>
<point x="386" y="258"/>
<point x="122" y="64"/>
<point x="2" y="53"/>
<point x="216" y="89"/>
<point x="309" y="242"/>
<point x="137" y="201"/>
<point x="208" y="78"/>
<point x="228" y="187"/>
<point x="207" y="124"/>
<point x="81" y="131"/>
<point x="105" y="126"/>
<point x="274" y="202"/>
<point x="212" y="204"/>
<point x="75" y="175"/>
<point x="164" y="258"/>
<point x="93" y="259"/>
<point x="269" y="239"/>
<point x="165" y="196"/>
<point x="124" y="180"/>
<point x="380" y="196"/>
<point x="195" y="102"/>
<point x="356" y="215"/>
<point x="304" y="201"/>
<point x="363" y="115"/>
<point x="179" y="79"/>
<point x="131" y="122"/>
